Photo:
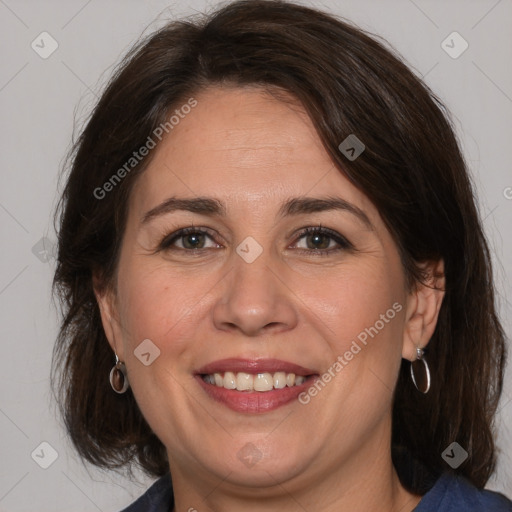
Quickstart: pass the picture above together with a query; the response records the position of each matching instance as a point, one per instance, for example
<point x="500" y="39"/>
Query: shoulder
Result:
<point x="454" y="493"/>
<point x="158" y="498"/>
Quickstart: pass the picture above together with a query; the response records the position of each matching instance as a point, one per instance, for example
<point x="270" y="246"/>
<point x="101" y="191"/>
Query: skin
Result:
<point x="252" y="153"/>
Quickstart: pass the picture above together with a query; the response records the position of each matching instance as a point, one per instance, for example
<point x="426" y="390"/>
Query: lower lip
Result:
<point x="254" y="401"/>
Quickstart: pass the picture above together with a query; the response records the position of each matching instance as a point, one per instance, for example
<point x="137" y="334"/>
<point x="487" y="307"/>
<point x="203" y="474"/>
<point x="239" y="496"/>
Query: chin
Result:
<point x="258" y="463"/>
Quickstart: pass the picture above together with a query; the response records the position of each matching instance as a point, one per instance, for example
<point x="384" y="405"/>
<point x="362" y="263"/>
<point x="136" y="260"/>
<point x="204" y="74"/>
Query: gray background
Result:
<point x="39" y="100"/>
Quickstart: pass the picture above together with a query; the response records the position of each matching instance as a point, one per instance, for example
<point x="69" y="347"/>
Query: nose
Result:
<point x="254" y="298"/>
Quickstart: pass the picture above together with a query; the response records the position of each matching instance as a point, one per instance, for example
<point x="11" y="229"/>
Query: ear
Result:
<point x="423" y="305"/>
<point x="105" y="296"/>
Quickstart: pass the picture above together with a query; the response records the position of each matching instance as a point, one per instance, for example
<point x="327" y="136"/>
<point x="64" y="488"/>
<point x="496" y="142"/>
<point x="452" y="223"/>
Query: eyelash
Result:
<point x="343" y="243"/>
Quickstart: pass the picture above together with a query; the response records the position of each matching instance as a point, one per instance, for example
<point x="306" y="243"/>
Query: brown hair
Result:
<point x="412" y="170"/>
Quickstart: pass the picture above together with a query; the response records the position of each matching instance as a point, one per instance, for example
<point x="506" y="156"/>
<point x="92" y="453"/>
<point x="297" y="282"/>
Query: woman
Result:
<point x="269" y="246"/>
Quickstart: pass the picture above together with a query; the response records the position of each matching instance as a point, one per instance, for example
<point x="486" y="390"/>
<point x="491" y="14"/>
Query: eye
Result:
<point x="188" y="239"/>
<point x="318" y="241"/>
<point x="322" y="241"/>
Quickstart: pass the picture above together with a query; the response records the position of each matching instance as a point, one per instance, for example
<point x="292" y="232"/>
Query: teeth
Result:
<point x="229" y="380"/>
<point x="279" y="380"/>
<point x="242" y="381"/>
<point x="263" y="382"/>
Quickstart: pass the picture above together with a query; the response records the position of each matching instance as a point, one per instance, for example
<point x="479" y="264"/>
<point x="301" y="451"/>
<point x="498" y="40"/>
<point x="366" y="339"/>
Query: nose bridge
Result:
<point x="253" y="298"/>
<point x="253" y="280"/>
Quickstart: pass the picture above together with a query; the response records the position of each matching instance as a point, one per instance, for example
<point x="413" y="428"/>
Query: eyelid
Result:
<point x="169" y="239"/>
<point x="342" y="241"/>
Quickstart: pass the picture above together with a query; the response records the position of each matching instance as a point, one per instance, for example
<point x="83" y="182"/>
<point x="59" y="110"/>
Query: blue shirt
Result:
<point x="450" y="493"/>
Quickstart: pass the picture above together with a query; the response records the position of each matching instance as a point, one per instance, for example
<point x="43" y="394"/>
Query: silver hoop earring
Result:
<point x="420" y="372"/>
<point x="118" y="377"/>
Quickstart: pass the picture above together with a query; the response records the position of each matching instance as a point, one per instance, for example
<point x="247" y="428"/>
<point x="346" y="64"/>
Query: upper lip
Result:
<point x="253" y="366"/>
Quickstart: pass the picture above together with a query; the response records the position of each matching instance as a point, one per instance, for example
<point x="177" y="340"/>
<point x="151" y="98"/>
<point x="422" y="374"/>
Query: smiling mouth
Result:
<point x="262" y="382"/>
<point x="254" y="386"/>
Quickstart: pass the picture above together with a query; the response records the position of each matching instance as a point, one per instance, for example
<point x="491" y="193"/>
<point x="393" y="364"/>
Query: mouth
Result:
<point x="254" y="386"/>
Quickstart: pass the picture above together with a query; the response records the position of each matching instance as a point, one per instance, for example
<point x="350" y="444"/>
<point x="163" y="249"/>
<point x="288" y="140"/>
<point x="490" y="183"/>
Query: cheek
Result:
<point x="156" y="306"/>
<point x="352" y="302"/>
<point x="161" y="308"/>
<point x="361" y="314"/>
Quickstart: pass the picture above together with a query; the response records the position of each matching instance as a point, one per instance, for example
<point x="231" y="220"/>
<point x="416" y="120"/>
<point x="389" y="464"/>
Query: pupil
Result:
<point x="318" y="238"/>
<point x="195" y="238"/>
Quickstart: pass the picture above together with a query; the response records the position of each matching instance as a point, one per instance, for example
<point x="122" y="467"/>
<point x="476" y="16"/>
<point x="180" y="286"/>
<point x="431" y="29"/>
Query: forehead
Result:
<point x="246" y="147"/>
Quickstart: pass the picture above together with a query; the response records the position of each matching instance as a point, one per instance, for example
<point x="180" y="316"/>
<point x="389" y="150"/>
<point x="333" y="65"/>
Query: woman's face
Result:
<point x="247" y="292"/>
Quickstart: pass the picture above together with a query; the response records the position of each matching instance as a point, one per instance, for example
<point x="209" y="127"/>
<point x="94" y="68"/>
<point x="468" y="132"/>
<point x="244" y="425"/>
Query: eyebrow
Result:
<point x="294" y="206"/>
